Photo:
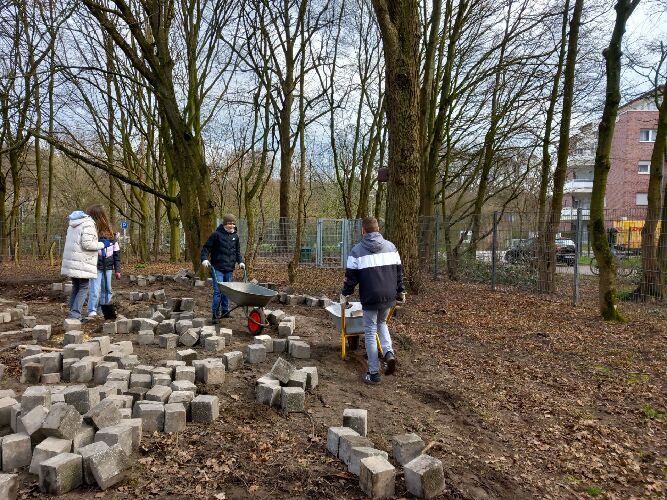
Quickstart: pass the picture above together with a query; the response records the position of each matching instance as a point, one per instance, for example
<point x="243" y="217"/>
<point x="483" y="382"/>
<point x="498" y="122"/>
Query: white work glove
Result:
<point x="242" y="265"/>
<point x="400" y="297"/>
<point x="343" y="299"/>
<point x="205" y="263"/>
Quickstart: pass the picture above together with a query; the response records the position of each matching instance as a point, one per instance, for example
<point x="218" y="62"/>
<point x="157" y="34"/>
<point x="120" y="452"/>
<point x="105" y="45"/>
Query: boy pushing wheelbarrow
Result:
<point x="375" y="265"/>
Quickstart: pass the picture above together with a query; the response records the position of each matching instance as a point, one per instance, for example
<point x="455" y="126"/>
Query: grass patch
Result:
<point x="594" y="491"/>
<point x="652" y="413"/>
<point x="638" y="378"/>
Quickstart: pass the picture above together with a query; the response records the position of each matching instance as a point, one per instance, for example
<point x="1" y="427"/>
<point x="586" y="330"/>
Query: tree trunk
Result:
<point x="400" y="30"/>
<point x="553" y="220"/>
<point x="653" y="280"/>
<point x="608" y="299"/>
<point x="544" y="282"/>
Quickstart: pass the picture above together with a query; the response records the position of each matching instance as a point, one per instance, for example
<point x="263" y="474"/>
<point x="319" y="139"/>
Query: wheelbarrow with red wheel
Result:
<point x="251" y="297"/>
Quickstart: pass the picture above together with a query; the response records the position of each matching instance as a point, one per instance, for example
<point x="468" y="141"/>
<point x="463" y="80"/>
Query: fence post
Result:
<point x="435" y="249"/>
<point x="577" y="254"/>
<point x="318" y="244"/>
<point x="343" y="246"/>
<point x="494" y="245"/>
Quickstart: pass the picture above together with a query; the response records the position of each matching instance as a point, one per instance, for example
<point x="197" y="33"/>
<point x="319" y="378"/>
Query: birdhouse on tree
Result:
<point x="383" y="174"/>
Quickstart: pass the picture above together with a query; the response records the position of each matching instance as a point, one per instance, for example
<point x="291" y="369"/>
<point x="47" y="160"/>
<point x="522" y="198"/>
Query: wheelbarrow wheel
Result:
<point x="256" y="321"/>
<point x="353" y="343"/>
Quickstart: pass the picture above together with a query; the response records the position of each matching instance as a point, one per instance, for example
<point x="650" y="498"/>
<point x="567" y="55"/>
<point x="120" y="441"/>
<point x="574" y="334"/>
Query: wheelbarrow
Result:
<point x="251" y="297"/>
<point x="350" y="322"/>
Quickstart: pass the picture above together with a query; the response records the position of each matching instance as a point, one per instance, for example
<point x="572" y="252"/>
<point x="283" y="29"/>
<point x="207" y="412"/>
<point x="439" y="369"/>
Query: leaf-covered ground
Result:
<point x="520" y="396"/>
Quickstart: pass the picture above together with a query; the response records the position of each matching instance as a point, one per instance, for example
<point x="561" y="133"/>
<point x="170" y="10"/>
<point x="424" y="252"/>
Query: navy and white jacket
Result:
<point x="222" y="249"/>
<point x="375" y="265"/>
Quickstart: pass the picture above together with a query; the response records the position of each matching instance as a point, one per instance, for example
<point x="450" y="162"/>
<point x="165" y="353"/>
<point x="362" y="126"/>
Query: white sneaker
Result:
<point x="92" y="314"/>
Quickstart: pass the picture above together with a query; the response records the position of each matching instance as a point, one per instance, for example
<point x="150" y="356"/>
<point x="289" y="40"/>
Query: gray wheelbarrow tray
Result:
<point x="354" y="320"/>
<point x="246" y="294"/>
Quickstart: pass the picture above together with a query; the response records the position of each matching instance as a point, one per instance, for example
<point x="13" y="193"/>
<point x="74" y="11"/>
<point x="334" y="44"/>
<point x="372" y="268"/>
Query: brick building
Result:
<point x="627" y="184"/>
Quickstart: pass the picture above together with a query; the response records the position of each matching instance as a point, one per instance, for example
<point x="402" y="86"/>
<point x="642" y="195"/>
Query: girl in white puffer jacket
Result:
<point x="80" y="258"/>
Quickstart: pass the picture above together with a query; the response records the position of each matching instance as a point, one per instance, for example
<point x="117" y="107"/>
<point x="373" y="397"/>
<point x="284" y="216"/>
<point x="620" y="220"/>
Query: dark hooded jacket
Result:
<point x="222" y="249"/>
<point x="375" y="265"/>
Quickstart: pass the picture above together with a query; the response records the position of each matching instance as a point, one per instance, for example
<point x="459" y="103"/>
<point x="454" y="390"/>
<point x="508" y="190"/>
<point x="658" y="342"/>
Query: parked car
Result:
<point x="525" y="252"/>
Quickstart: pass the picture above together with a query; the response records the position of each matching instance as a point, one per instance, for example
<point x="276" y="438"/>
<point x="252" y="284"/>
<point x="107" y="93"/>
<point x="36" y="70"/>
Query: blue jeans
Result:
<point x="77" y="297"/>
<point x="100" y="293"/>
<point x="220" y="304"/>
<point x="375" y="320"/>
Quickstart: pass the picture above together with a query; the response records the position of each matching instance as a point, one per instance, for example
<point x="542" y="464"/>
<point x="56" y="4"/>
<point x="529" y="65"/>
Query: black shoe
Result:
<point x="371" y="378"/>
<point x="389" y="363"/>
<point x="224" y="315"/>
<point x="215" y="320"/>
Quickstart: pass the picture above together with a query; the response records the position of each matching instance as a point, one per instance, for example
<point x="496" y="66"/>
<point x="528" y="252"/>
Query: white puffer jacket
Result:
<point x="81" y="246"/>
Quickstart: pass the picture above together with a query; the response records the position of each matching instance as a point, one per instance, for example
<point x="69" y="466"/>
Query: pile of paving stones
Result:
<point x="85" y="432"/>
<point x="424" y="474"/>
<point x="14" y="313"/>
<point x="285" y="386"/>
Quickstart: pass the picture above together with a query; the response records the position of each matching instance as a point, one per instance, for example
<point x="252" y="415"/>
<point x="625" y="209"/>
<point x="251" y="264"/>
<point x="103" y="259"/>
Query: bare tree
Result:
<point x="608" y="299"/>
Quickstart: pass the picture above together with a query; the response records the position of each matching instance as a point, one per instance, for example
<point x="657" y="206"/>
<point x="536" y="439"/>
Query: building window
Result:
<point x="641" y="199"/>
<point x="647" y="135"/>
<point x="644" y="167"/>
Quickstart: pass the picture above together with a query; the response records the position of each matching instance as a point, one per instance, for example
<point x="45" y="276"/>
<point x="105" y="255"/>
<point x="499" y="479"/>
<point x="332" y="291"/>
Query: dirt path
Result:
<point x="519" y="396"/>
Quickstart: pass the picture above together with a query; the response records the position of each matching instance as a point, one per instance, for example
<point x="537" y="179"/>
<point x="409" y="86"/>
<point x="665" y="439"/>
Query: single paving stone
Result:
<point x="299" y="350"/>
<point x="298" y="379"/>
<point x="61" y="474"/>
<point x="333" y="438"/>
<point x="166" y="327"/>
<point x="122" y="401"/>
<point x="406" y="447"/>
<point x="205" y="409"/>
<point x="63" y="422"/>
<point x="347" y="442"/>
<point x="103" y="414"/>
<point x="255" y="353"/>
<point x="233" y="360"/>
<point x="109" y="466"/>
<point x="86" y="452"/>
<point x="182" y="325"/>
<point x="158" y="393"/>
<point x="48" y="448"/>
<point x="84" y="437"/>
<point x="9" y="486"/>
<point x="356" y="419"/>
<point x="52" y="362"/>
<point x="146" y="337"/>
<point x="226" y="333"/>
<point x="279" y="345"/>
<point x="377" y="477"/>
<point x="187" y="355"/>
<point x="213" y="373"/>
<point x="268" y="394"/>
<point x="123" y="325"/>
<point x="275" y="317"/>
<point x="424" y="476"/>
<point x="265" y="340"/>
<point x="73" y="337"/>
<point x="141" y="380"/>
<point x="362" y="452"/>
<point x="32" y="373"/>
<point x="81" y="372"/>
<point x="129" y="362"/>
<point x="110" y="328"/>
<point x="32" y="423"/>
<point x="312" y="378"/>
<point x="81" y="397"/>
<point x="175" y="417"/>
<point x="102" y="371"/>
<point x="27" y="321"/>
<point x="41" y="333"/>
<point x="16" y="451"/>
<point x="35" y="396"/>
<point x="136" y="424"/>
<point x="72" y="324"/>
<point x="214" y="343"/>
<point x="292" y="399"/>
<point x="6" y="404"/>
<point x="184" y="373"/>
<point x="168" y="341"/>
<point x="189" y="337"/>
<point x="151" y="415"/>
<point x="183" y="385"/>
<point x="120" y="434"/>
<point x="161" y="379"/>
<point x="183" y="398"/>
<point x="282" y="370"/>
